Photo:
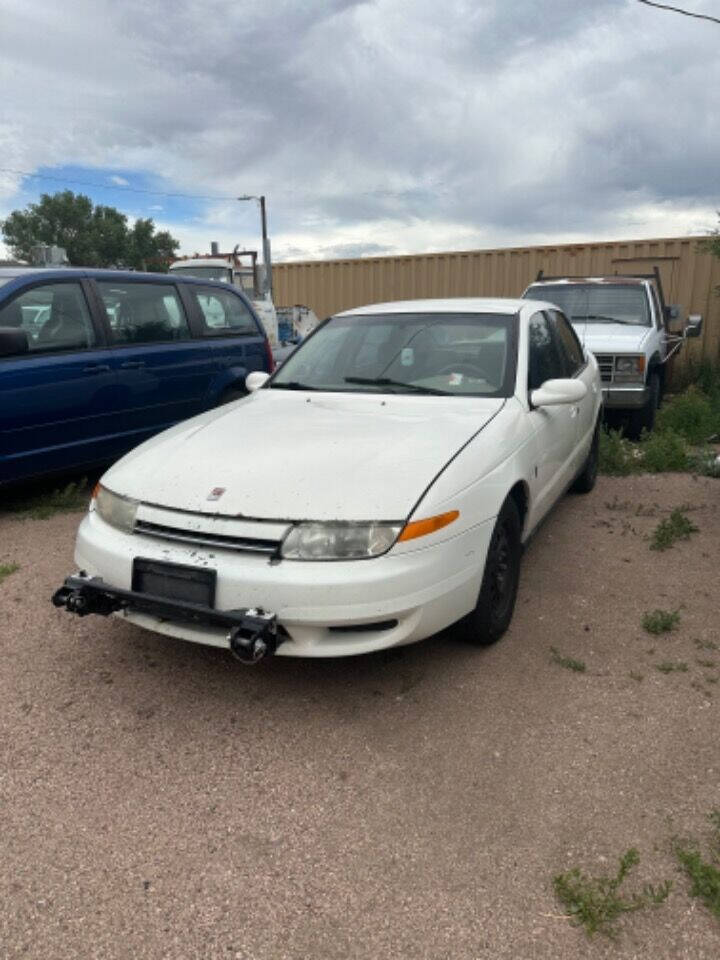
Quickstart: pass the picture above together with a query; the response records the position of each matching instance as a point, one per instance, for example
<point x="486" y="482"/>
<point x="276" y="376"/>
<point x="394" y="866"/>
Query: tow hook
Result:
<point x="77" y="599"/>
<point x="255" y="638"/>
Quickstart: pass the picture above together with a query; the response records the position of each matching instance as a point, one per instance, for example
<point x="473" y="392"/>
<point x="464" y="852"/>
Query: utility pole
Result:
<point x="265" y="240"/>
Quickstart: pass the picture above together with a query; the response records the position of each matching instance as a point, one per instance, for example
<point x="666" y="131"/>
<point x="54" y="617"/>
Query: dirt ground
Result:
<point x="159" y="800"/>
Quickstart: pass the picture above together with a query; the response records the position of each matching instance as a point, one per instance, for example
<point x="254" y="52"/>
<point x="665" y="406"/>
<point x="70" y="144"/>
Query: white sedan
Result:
<point x="376" y="489"/>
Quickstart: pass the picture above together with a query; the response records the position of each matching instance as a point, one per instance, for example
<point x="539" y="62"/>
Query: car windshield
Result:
<point x="596" y="302"/>
<point x="5" y="280"/>
<point x="453" y="354"/>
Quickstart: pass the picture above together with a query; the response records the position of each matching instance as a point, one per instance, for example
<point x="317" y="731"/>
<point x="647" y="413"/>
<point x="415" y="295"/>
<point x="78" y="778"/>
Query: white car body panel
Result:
<point x="355" y="456"/>
<point x="309" y="471"/>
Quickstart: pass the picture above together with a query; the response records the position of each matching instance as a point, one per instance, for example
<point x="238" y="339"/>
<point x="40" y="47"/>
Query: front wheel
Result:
<point x="496" y="600"/>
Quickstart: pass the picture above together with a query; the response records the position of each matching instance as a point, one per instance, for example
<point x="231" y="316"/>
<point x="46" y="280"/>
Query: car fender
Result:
<point x="478" y="480"/>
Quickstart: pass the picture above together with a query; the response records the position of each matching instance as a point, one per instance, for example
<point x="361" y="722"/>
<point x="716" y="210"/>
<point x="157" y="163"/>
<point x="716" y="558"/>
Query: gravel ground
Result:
<point x="159" y="800"/>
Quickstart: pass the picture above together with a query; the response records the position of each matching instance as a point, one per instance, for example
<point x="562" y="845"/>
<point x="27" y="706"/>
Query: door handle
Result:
<point x="97" y="368"/>
<point x="132" y="364"/>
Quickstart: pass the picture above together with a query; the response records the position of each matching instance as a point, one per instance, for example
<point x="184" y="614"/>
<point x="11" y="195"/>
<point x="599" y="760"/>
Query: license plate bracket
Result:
<point x="174" y="581"/>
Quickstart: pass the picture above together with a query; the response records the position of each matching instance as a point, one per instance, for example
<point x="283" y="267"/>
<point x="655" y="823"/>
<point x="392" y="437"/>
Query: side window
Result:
<point x="143" y="312"/>
<point x="568" y="343"/>
<point x="55" y="316"/>
<point x="544" y="360"/>
<point x="223" y="312"/>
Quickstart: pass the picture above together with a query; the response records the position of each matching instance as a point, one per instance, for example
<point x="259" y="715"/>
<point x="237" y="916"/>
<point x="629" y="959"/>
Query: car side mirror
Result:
<point x="13" y="341"/>
<point x="694" y="325"/>
<point x="256" y="379"/>
<point x="553" y="393"/>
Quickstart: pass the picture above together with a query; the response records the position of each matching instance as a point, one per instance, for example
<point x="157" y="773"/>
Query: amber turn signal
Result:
<point x="421" y="528"/>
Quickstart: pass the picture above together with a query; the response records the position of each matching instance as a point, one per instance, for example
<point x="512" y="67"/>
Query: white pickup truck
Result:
<point x="625" y="322"/>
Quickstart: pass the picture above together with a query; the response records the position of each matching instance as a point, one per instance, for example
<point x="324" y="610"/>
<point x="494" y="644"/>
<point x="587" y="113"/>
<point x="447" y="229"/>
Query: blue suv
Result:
<point x="92" y="362"/>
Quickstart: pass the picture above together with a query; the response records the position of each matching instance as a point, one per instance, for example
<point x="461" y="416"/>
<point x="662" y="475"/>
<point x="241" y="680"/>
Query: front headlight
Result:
<point x="630" y="368"/>
<point x="339" y="541"/>
<point x="118" y="511"/>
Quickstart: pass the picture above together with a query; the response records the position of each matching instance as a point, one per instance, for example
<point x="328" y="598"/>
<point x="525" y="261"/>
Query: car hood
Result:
<point x="283" y="455"/>
<point x="612" y="337"/>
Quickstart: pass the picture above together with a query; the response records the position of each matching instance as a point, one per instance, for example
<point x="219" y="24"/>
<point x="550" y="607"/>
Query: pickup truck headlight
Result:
<point x="631" y="368"/>
<point x="115" y="510"/>
<point x="339" y="541"/>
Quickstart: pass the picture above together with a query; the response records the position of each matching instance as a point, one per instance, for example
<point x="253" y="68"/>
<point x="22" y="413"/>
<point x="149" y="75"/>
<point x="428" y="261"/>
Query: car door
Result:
<point x="56" y="400"/>
<point x="163" y="373"/>
<point x="232" y="332"/>
<point x="555" y="427"/>
<point x="577" y="367"/>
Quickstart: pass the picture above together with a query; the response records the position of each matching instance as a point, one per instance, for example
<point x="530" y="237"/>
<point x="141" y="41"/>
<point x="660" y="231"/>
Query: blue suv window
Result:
<point x="143" y="312"/>
<point x="222" y="311"/>
<point x="54" y="316"/>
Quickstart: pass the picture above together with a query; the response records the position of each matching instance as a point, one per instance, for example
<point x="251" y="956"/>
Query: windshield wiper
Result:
<point x="292" y="385"/>
<point x="601" y="318"/>
<point x="387" y="382"/>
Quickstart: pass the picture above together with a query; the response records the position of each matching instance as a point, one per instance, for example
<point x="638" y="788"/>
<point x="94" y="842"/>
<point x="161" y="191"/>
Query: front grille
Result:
<point x="202" y="538"/>
<point x="606" y="364"/>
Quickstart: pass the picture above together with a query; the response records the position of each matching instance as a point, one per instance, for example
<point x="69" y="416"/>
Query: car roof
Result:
<point x="571" y="280"/>
<point x="447" y="305"/>
<point x="98" y="273"/>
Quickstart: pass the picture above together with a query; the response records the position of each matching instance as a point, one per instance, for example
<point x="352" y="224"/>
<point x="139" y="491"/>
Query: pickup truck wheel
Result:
<point x="496" y="600"/>
<point x="585" y="480"/>
<point x="644" y="418"/>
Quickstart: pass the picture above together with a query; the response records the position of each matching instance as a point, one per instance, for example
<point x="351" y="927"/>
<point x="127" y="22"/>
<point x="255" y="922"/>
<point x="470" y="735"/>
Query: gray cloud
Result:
<point x="377" y="126"/>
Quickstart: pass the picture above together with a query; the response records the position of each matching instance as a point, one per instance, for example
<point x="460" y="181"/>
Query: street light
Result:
<point x="265" y="241"/>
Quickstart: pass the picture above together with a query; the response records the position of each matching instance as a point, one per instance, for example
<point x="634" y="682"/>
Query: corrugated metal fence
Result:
<point x="690" y="278"/>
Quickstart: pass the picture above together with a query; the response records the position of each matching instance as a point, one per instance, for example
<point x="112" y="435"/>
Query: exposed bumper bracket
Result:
<point x="252" y="633"/>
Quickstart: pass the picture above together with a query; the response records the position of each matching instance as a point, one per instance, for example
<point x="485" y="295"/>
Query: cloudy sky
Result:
<point x="389" y="126"/>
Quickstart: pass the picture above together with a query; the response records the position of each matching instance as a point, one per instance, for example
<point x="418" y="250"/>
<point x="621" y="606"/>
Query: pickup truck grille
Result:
<point x="606" y="364"/>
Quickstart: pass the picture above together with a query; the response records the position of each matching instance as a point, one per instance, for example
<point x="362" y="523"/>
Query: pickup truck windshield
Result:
<point x="434" y="354"/>
<point x="205" y="273"/>
<point x="596" y="302"/>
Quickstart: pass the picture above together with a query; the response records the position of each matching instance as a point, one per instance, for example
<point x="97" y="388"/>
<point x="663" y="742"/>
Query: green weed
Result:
<point x="706" y="663"/>
<point x="663" y="452"/>
<point x="6" y="569"/>
<point x="705" y="644"/>
<point x="577" y="665"/>
<point x="704" y="875"/>
<point x="617" y="456"/>
<point x="661" y="621"/>
<point x="673" y="528"/>
<point x="691" y="416"/>
<point x="596" y="903"/>
<point x="670" y="666"/>
<point x="638" y="677"/>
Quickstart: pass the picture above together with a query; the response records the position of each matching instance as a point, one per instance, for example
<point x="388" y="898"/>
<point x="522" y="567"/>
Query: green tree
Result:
<point x="148" y="249"/>
<point x="93" y="236"/>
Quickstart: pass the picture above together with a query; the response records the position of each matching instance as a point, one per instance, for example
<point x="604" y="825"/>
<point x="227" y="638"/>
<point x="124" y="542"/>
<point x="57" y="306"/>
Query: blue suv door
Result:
<point x="237" y="340"/>
<point x="56" y="399"/>
<point x="163" y="374"/>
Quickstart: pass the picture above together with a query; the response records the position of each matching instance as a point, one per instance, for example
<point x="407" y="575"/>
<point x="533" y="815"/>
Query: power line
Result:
<point x="113" y="186"/>
<point x="685" y="13"/>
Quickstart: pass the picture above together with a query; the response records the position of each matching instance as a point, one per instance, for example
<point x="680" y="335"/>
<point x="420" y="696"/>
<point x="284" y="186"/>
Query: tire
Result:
<point x="585" y="480"/>
<point x="644" y="418"/>
<point x="231" y="395"/>
<point x="494" y="608"/>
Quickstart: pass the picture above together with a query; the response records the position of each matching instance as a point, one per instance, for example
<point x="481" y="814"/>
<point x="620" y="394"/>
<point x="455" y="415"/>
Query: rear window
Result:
<point x="596" y="302"/>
